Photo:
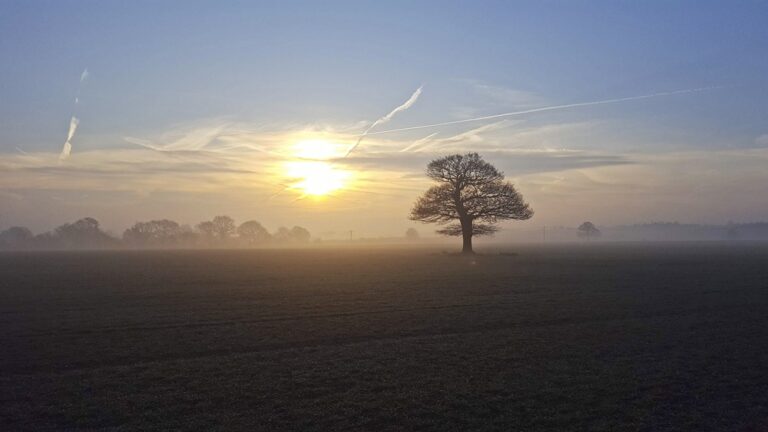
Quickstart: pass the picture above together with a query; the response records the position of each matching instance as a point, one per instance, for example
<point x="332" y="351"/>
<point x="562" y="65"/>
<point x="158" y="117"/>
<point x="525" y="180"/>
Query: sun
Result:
<point x="315" y="178"/>
<point x="313" y="173"/>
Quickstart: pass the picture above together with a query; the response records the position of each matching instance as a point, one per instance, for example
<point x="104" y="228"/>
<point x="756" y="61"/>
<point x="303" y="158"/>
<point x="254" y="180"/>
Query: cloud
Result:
<point x="505" y="96"/>
<point x="591" y="184"/>
<point x="474" y="135"/>
<point x="419" y="142"/>
<point x="711" y="186"/>
<point x="514" y="162"/>
<point x="547" y="108"/>
<point x="192" y="140"/>
<point x="227" y="138"/>
<point x="407" y="104"/>
<point x="67" y="149"/>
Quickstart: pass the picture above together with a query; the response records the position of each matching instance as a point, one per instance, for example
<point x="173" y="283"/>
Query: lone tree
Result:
<point x="588" y="231"/>
<point x="471" y="191"/>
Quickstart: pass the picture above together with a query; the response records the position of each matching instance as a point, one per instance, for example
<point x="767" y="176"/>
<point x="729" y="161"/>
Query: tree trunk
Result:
<point x="466" y="232"/>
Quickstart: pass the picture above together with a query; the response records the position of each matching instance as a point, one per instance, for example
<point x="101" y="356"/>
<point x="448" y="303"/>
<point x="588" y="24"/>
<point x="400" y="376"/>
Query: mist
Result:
<point x="383" y="216"/>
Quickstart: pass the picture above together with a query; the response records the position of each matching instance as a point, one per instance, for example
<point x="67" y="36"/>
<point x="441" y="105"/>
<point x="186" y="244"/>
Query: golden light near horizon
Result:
<point x="316" y="149"/>
<point x="313" y="174"/>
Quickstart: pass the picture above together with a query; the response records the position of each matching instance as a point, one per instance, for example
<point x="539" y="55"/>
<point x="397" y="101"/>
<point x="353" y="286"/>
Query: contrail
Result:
<point x="66" y="150"/>
<point x="419" y="142"/>
<point x="83" y="76"/>
<point x="407" y="104"/>
<point x="549" y="108"/>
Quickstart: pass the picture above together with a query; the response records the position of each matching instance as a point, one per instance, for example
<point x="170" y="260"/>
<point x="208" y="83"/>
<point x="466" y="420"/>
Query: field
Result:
<point x="583" y="337"/>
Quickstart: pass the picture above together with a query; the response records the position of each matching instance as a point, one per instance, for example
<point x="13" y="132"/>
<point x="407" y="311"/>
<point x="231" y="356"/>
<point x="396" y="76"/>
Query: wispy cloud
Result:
<point x="666" y="186"/>
<point x="197" y="139"/>
<point x="67" y="149"/>
<point x="407" y="104"/>
<point x="547" y="108"/>
<point x="475" y="135"/>
<point x="240" y="164"/>
<point x="418" y="143"/>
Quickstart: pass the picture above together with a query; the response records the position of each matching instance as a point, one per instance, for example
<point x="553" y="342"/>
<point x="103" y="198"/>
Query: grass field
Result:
<point x="581" y="337"/>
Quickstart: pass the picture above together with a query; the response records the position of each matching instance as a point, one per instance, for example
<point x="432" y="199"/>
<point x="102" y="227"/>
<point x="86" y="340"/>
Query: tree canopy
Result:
<point x="252" y="232"/>
<point x="156" y="232"/>
<point x="588" y="230"/>
<point x="471" y="191"/>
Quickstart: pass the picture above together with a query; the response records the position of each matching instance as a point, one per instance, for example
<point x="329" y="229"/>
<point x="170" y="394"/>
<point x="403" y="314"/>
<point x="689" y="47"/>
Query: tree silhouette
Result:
<point x="15" y="237"/>
<point x="223" y="227"/>
<point x="588" y="230"/>
<point x="300" y="234"/>
<point x="83" y="233"/>
<point x="411" y="234"/>
<point x="282" y="235"/>
<point x="162" y="232"/>
<point x="217" y="231"/>
<point x="296" y="234"/>
<point x="471" y="191"/>
<point x="252" y="232"/>
<point x="207" y="230"/>
<point x="86" y="233"/>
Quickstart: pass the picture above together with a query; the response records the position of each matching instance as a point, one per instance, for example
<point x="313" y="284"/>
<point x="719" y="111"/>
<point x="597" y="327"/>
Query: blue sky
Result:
<point x="159" y="70"/>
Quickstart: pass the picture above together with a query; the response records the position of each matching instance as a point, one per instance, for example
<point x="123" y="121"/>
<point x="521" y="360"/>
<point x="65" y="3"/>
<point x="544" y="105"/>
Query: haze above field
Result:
<point x="195" y="109"/>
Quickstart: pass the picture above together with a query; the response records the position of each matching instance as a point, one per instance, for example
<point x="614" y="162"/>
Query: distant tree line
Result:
<point x="661" y="231"/>
<point x="756" y="231"/>
<point x="221" y="231"/>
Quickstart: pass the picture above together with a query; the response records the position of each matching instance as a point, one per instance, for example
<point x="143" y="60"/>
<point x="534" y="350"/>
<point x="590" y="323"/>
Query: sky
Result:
<point x="132" y="111"/>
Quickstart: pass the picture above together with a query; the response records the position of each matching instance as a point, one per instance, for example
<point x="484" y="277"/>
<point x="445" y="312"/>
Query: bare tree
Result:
<point x="223" y="227"/>
<point x="207" y="231"/>
<point x="217" y="231"/>
<point x="588" y="230"/>
<point x="471" y="191"/>
<point x="162" y="232"/>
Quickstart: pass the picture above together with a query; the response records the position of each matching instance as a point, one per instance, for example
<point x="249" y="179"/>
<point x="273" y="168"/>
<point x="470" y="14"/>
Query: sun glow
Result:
<point x="313" y="174"/>
<point x="316" y="149"/>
